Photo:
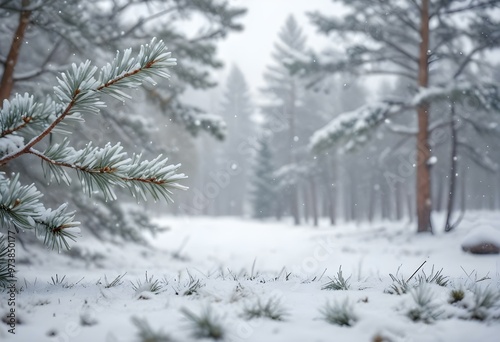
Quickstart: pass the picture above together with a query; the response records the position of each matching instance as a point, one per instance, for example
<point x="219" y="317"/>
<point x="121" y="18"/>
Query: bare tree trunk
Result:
<point x="7" y="82"/>
<point x="410" y="203"/>
<point x="306" y="202"/>
<point x="398" y="196"/>
<point x="314" y="203"/>
<point x="371" y="203"/>
<point x="294" y="200"/>
<point x="423" y="149"/>
<point x="453" y="172"/>
<point x="439" y="197"/>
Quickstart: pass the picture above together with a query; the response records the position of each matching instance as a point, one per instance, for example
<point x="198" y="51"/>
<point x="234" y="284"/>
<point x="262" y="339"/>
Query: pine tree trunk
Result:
<point x="371" y="203"/>
<point x="398" y="195"/>
<point x="306" y="203"/>
<point x="314" y="203"/>
<point x="439" y="197"/>
<point x="7" y="82"/>
<point x="410" y="202"/>
<point x="453" y="171"/>
<point x="423" y="149"/>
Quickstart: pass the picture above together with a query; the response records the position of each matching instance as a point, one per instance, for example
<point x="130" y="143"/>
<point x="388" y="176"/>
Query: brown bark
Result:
<point x="423" y="148"/>
<point x="7" y="82"/>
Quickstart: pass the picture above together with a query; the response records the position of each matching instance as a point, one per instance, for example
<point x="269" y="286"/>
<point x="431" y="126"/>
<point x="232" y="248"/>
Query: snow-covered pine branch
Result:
<point x="354" y="127"/>
<point x="26" y="121"/>
<point x="103" y="168"/>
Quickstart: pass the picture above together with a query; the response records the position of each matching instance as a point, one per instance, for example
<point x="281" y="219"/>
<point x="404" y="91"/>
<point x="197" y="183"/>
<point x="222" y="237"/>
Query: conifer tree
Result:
<point x="404" y="38"/>
<point x="236" y="110"/>
<point x="284" y="93"/>
<point x="263" y="188"/>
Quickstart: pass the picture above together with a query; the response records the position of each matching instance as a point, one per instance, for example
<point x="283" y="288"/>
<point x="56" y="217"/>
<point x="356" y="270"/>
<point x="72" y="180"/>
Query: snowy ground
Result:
<point x="227" y="265"/>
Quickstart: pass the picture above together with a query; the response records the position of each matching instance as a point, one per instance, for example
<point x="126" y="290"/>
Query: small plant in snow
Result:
<point x="190" y="287"/>
<point x="434" y="278"/>
<point x="57" y="281"/>
<point x="150" y="285"/>
<point x="338" y="282"/>
<point x="272" y="309"/>
<point x="424" y="310"/>
<point x="146" y="334"/>
<point x="205" y="325"/>
<point x="485" y="299"/>
<point x="115" y="282"/>
<point x="456" y="295"/>
<point x="399" y="286"/>
<point x="339" y="313"/>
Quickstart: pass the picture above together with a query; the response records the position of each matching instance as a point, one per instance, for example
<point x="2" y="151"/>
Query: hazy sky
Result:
<point x="251" y="49"/>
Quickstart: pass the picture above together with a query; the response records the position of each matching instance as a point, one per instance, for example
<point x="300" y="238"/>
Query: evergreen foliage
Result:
<point x="410" y="39"/>
<point x="263" y="183"/>
<point x="26" y="121"/>
<point x="60" y="32"/>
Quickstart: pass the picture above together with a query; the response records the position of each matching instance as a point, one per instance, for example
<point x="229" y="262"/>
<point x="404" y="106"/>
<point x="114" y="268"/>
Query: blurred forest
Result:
<point x="248" y="151"/>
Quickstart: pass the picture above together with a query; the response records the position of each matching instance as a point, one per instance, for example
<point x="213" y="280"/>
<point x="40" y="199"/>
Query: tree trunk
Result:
<point x="7" y="82"/>
<point x="306" y="204"/>
<point x="398" y="196"/>
<point x="371" y="203"/>
<point x="453" y="172"/>
<point x="314" y="203"/>
<point x="295" y="189"/>
<point x="423" y="148"/>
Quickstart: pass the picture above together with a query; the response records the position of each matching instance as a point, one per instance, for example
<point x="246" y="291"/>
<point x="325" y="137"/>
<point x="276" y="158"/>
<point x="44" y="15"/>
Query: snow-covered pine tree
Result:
<point x="236" y="110"/>
<point x="284" y="94"/>
<point x="263" y="185"/>
<point x="26" y="122"/>
<point x="404" y="38"/>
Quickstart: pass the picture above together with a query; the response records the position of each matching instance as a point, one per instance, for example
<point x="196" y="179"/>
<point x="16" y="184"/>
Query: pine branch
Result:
<point x="78" y="89"/>
<point x="20" y="208"/>
<point x="103" y="168"/>
<point x="97" y="168"/>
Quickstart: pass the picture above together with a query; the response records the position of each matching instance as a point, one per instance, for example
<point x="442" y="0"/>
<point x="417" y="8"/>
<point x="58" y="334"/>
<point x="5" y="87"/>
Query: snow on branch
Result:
<point x="101" y="169"/>
<point x="78" y="90"/>
<point x="20" y="208"/>
<point x="353" y="126"/>
<point x="24" y="122"/>
<point x="483" y="96"/>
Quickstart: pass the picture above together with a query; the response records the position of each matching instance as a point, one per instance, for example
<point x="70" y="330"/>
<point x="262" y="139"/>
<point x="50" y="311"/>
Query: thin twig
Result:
<point x="418" y="269"/>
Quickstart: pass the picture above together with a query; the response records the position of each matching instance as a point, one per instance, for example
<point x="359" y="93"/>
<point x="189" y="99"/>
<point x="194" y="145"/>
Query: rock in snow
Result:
<point x="482" y="240"/>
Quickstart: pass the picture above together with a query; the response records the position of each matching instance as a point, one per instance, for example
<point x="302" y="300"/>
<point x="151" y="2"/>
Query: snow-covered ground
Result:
<point x="226" y="266"/>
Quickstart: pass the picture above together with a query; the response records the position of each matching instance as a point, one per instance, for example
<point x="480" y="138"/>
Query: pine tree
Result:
<point x="404" y="38"/>
<point x="236" y="110"/>
<point x="26" y="122"/>
<point x="285" y="94"/>
<point x="263" y="182"/>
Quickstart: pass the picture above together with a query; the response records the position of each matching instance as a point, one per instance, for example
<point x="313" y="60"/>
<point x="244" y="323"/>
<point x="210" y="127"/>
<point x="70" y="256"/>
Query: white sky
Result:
<point x="251" y="49"/>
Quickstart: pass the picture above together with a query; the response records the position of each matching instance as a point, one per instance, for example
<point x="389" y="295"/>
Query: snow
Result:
<point x="353" y="124"/>
<point x="240" y="261"/>
<point x="484" y="234"/>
